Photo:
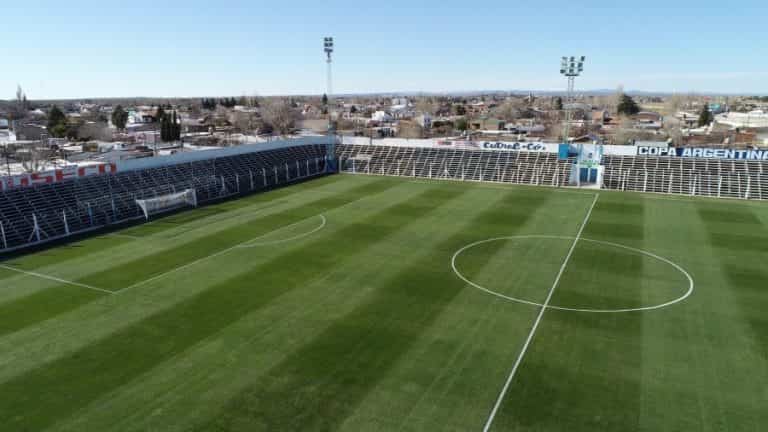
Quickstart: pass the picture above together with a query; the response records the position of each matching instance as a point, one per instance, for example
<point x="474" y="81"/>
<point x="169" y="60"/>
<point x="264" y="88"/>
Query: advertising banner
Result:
<point x="707" y="153"/>
<point x="500" y="146"/>
<point x="53" y="176"/>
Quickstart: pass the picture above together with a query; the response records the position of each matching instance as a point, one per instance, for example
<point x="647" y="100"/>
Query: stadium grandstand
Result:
<point x="34" y="213"/>
<point x="41" y="207"/>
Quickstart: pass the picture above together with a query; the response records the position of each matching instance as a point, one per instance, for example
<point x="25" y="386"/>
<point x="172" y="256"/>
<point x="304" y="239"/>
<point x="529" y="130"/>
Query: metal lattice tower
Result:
<point x="331" y="145"/>
<point x="570" y="67"/>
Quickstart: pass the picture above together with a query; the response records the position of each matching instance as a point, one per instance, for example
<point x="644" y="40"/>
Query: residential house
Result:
<point x="648" y="120"/>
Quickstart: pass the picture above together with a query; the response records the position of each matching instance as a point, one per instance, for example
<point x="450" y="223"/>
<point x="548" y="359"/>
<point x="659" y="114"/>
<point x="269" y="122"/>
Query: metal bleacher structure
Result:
<point x="720" y="178"/>
<point x="520" y="167"/>
<point x="41" y="213"/>
<point x="696" y="176"/>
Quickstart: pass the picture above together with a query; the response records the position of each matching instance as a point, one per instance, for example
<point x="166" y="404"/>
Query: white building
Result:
<point x="381" y="116"/>
<point x="7" y="136"/>
<point x="424" y="120"/>
<point x="752" y="119"/>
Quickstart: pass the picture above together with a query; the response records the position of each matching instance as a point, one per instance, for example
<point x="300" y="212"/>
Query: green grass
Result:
<point x="363" y="325"/>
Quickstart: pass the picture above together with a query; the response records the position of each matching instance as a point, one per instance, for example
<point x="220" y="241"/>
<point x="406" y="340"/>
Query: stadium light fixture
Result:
<point x="328" y="47"/>
<point x="572" y="66"/>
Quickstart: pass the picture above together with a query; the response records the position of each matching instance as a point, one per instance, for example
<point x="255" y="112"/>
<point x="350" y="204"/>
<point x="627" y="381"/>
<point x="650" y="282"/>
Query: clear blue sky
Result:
<point x="60" y="49"/>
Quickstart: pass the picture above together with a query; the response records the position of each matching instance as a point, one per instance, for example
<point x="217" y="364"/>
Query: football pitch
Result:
<point x="364" y="303"/>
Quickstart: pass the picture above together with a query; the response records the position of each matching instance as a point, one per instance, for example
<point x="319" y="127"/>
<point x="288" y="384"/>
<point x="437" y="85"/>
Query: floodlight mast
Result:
<point x="330" y="165"/>
<point x="570" y="67"/>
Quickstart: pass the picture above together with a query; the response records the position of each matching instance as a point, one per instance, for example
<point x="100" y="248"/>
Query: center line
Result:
<point x="519" y="360"/>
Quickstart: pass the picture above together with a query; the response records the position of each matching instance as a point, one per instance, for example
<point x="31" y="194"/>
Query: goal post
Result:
<point x="165" y="203"/>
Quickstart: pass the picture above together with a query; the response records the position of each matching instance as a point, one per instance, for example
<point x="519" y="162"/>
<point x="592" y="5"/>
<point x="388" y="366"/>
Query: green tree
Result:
<point x="170" y="128"/>
<point x="227" y="102"/>
<point x="119" y="117"/>
<point x="462" y="124"/>
<point x="209" y="104"/>
<point x="705" y="117"/>
<point x="627" y="106"/>
<point x="164" y="128"/>
<point x="176" y="127"/>
<point x="325" y="99"/>
<point x="59" y="131"/>
<point x="159" y="113"/>
<point x="57" y="122"/>
<point x="459" y="109"/>
<point x="558" y="103"/>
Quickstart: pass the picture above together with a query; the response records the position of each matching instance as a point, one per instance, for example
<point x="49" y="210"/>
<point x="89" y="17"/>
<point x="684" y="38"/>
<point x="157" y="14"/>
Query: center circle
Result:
<point x="661" y="259"/>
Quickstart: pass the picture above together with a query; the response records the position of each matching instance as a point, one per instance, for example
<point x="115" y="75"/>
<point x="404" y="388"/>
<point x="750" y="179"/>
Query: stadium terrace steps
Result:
<point x="521" y="167"/>
<point x="89" y="203"/>
<point x="720" y="178"/>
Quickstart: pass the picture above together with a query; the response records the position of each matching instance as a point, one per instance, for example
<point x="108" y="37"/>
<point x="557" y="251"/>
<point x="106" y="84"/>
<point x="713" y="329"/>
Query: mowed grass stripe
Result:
<point x="73" y="381"/>
<point x="578" y="358"/>
<point x="61" y="298"/>
<point x="42" y="305"/>
<point x="319" y="386"/>
<point x="742" y="262"/>
<point x="683" y="383"/>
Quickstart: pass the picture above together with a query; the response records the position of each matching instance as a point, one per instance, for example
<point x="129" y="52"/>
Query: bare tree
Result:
<point x="220" y="116"/>
<point x="672" y="130"/>
<point x="555" y="131"/>
<point x="426" y="105"/>
<point x="510" y="109"/>
<point x="409" y="129"/>
<point x="254" y="100"/>
<point x="627" y="133"/>
<point x="280" y="114"/>
<point x="673" y="104"/>
<point x="20" y="105"/>
<point x="35" y="157"/>
<point x="94" y="131"/>
<point x="244" y="122"/>
<point x="624" y="133"/>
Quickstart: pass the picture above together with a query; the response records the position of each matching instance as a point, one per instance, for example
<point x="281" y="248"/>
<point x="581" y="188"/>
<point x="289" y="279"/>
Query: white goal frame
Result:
<point x="169" y="202"/>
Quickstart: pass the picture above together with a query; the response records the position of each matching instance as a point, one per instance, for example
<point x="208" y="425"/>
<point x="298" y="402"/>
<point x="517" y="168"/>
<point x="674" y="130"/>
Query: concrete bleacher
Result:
<point x="721" y="178"/>
<point x="520" y="167"/>
<point x="88" y="203"/>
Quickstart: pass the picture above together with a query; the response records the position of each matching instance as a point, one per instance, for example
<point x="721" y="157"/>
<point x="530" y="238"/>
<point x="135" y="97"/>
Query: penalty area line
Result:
<point x="323" y="222"/>
<point x="214" y="255"/>
<point x="56" y="279"/>
<point x="535" y="326"/>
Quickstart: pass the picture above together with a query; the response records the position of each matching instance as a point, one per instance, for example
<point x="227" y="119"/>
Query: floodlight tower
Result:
<point x="570" y="67"/>
<point x="331" y="146"/>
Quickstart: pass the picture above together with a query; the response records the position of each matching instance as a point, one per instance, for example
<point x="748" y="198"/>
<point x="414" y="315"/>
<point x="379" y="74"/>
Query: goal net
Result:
<point x="164" y="203"/>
